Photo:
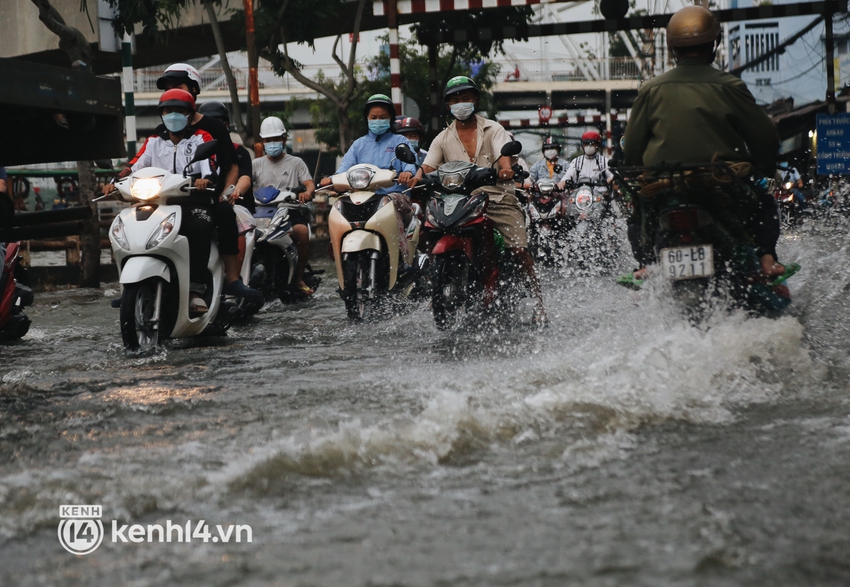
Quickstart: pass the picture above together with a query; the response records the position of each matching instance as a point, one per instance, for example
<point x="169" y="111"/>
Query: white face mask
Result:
<point x="462" y="110"/>
<point x="550" y="153"/>
<point x="590" y="150"/>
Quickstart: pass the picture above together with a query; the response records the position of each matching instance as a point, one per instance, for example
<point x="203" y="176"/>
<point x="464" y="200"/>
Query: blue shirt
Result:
<point x="378" y="151"/>
<point x="3" y="173"/>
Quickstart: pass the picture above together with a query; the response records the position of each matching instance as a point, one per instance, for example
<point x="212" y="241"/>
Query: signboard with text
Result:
<point x="833" y="144"/>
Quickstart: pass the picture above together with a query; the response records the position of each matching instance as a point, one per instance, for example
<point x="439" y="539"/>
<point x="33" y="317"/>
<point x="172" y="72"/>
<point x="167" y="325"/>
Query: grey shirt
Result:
<point x="288" y="173"/>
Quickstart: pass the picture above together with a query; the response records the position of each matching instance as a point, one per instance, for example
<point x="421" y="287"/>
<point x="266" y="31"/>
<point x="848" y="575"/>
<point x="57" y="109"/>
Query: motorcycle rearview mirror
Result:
<point x="511" y="148"/>
<point x="104" y="164"/>
<point x="558" y="169"/>
<point x="404" y="153"/>
<point x="204" y="151"/>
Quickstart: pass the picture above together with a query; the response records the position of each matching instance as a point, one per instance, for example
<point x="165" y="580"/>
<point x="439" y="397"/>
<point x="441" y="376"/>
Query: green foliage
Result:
<point x="153" y="15"/>
<point x="414" y="72"/>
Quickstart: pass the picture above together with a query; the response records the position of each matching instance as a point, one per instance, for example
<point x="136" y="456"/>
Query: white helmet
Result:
<point x="272" y="127"/>
<point x="182" y="72"/>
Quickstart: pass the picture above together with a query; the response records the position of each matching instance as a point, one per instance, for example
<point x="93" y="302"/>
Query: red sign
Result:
<point x="544" y="113"/>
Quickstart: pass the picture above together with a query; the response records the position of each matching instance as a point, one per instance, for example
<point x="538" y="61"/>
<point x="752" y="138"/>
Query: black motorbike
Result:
<point x="691" y="221"/>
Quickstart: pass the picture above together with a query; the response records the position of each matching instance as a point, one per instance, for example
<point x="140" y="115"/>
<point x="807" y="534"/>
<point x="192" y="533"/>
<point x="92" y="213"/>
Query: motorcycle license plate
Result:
<point x="688" y="262"/>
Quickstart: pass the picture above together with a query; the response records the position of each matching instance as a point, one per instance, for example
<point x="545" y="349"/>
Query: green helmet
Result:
<point x="379" y="100"/>
<point x="459" y="83"/>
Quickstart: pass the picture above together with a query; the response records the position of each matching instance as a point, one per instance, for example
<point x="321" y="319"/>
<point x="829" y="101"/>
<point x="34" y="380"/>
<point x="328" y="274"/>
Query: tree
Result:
<point x="450" y="62"/>
<point x="79" y="53"/>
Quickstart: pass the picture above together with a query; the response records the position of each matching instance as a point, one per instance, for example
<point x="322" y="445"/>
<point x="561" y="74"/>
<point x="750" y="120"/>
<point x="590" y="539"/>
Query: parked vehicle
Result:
<point x="15" y="295"/>
<point x="366" y="245"/>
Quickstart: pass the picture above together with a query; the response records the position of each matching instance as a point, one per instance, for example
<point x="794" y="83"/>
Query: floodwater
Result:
<point x="621" y="446"/>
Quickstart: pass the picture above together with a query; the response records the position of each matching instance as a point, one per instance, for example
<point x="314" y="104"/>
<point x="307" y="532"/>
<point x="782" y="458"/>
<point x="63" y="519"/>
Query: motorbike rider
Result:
<point x="473" y="138"/>
<point x="591" y="165"/>
<point x="548" y="166"/>
<point x="377" y="147"/>
<point x="244" y="193"/>
<point x="787" y="174"/>
<point x="283" y="171"/>
<point x="171" y="148"/>
<point x="695" y="113"/>
<point x="411" y="129"/>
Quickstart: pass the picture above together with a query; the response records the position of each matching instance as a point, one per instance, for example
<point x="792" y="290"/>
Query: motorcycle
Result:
<point x="790" y="209"/>
<point x="366" y="245"/>
<point x="692" y="230"/>
<point x="590" y="241"/>
<point x="469" y="272"/>
<point x="275" y="256"/>
<point x="153" y="261"/>
<point x="14" y="295"/>
<point x="547" y="222"/>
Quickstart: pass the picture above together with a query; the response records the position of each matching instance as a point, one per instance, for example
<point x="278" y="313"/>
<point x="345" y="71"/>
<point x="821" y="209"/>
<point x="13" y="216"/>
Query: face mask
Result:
<point x="174" y="121"/>
<point x="379" y="127"/>
<point x="413" y="144"/>
<point x="550" y="153"/>
<point x="590" y="150"/>
<point x="462" y="110"/>
<point x="273" y="149"/>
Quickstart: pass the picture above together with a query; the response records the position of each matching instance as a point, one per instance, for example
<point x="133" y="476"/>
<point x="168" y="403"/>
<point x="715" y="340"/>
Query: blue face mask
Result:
<point x="174" y="121"/>
<point x="273" y="149"/>
<point x="379" y="127"/>
<point x="413" y="144"/>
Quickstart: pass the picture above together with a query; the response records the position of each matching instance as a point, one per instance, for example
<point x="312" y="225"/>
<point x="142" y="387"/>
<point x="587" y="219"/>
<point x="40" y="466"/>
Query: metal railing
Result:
<point x="532" y="70"/>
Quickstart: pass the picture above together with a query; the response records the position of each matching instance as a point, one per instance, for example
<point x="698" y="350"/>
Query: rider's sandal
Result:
<point x="197" y="305"/>
<point x="790" y="269"/>
<point x="304" y="290"/>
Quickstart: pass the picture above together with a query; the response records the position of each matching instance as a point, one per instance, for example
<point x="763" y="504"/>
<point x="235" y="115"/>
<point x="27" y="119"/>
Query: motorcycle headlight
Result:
<point x="546" y="188"/>
<point x="452" y="180"/>
<point x="146" y="188"/>
<point x="359" y="178"/>
<point x="118" y="233"/>
<point x="788" y="185"/>
<point x="584" y="199"/>
<point x="165" y="228"/>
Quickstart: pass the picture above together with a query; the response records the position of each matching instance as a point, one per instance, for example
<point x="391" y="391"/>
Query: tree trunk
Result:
<point x="228" y="72"/>
<point x="90" y="237"/>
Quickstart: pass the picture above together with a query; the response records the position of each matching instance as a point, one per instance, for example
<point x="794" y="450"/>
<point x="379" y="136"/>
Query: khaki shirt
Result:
<point x="447" y="146"/>
<point x="695" y="112"/>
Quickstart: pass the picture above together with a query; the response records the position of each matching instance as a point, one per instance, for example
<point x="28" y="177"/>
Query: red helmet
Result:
<point x="591" y="136"/>
<point x="405" y="124"/>
<point x="177" y="98"/>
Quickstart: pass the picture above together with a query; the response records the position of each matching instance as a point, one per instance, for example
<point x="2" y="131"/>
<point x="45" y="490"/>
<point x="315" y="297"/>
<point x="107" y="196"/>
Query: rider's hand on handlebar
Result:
<point x="325" y="181"/>
<point x="108" y="189"/>
<point x="527" y="184"/>
<point x="405" y="177"/>
<point x="561" y="186"/>
<point x="505" y="174"/>
<point x="203" y="184"/>
<point x="305" y="197"/>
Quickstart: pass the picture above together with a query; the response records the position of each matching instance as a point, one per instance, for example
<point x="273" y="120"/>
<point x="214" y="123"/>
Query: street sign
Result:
<point x="544" y="113"/>
<point x="833" y="144"/>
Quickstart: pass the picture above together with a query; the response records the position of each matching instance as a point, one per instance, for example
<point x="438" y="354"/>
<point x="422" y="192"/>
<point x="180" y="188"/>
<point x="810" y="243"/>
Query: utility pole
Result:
<point x="253" y="81"/>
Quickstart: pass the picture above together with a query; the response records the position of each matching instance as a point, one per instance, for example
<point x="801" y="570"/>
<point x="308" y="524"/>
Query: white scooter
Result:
<point x="153" y="261"/>
<point x="365" y="239"/>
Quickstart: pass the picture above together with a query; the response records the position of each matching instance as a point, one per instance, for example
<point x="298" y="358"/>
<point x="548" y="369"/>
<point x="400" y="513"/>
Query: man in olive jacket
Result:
<point x="695" y="113"/>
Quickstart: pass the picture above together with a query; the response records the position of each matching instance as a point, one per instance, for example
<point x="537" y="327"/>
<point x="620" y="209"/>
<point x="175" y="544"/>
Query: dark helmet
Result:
<point x="459" y="83"/>
<point x="215" y="110"/>
<point x="405" y="124"/>
<point x="181" y="73"/>
<point x="591" y="136"/>
<point x="178" y="98"/>
<point x="379" y="100"/>
<point x="692" y="25"/>
<point x="551" y="143"/>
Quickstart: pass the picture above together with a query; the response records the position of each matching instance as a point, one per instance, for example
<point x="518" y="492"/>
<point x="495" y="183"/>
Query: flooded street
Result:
<point x="621" y="446"/>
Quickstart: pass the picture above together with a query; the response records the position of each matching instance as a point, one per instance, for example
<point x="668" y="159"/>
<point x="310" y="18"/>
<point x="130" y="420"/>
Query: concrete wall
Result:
<point x="24" y="34"/>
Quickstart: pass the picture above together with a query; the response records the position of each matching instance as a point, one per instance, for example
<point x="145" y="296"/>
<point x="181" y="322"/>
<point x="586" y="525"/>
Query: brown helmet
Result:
<point x="692" y="25"/>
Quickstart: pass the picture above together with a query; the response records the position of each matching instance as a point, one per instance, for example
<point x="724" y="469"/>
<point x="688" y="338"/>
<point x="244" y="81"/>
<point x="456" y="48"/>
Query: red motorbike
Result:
<point x="464" y="248"/>
<point x="14" y="296"/>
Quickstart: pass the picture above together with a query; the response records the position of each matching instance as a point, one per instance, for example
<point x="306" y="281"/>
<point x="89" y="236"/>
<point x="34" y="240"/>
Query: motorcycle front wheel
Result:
<point x="449" y="288"/>
<point x="140" y="322"/>
<point x="360" y="294"/>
